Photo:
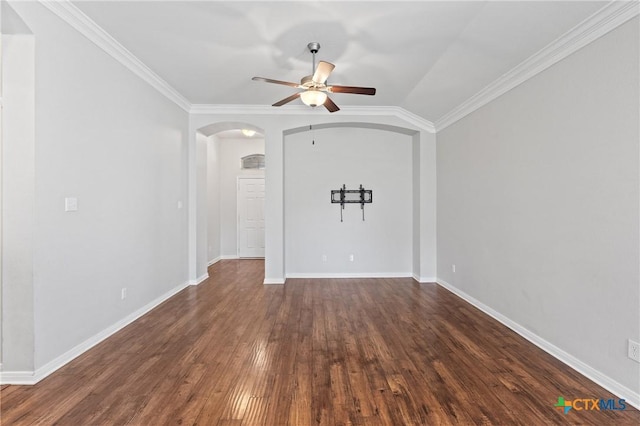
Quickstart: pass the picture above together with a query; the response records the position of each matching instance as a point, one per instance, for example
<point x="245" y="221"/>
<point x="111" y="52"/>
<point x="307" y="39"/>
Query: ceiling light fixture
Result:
<point x="314" y="87"/>
<point x="313" y="97"/>
<point x="248" y="132"/>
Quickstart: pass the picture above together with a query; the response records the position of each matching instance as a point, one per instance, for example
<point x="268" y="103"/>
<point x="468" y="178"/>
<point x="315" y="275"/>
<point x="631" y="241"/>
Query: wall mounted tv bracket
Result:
<point x="351" y="196"/>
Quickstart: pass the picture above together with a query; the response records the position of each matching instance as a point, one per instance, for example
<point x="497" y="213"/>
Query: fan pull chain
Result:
<point x="313" y="135"/>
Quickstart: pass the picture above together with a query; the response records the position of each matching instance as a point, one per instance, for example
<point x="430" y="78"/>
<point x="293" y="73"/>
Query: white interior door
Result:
<point x="250" y="217"/>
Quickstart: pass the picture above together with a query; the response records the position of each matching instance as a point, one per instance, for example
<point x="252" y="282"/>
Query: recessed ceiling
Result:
<point x="424" y="56"/>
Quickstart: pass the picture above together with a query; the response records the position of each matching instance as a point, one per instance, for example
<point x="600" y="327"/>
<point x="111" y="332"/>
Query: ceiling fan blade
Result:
<point x="287" y="100"/>
<point x="330" y="105"/>
<point x="322" y="72"/>
<point x="268" y="80"/>
<point x="352" y="89"/>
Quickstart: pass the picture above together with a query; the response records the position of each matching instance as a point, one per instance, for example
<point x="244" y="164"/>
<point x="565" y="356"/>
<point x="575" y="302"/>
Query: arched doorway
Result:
<point x="234" y="210"/>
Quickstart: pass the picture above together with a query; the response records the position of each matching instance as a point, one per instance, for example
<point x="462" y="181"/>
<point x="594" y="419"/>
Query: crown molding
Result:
<point x="69" y="13"/>
<point x="238" y="109"/>
<point x="414" y="119"/>
<point x="401" y="113"/>
<point x="604" y="20"/>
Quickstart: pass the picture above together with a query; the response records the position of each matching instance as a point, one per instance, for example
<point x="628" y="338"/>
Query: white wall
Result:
<point x="198" y="205"/>
<point x="231" y="150"/>
<point x="425" y="150"/>
<point x="18" y="192"/>
<point x="274" y="127"/>
<point x="109" y="139"/>
<point x="538" y="204"/>
<point x="380" y="161"/>
<point x="213" y="201"/>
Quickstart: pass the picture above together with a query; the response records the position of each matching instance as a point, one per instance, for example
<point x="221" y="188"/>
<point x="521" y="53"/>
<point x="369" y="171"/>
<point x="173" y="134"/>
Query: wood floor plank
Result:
<point x="232" y="351"/>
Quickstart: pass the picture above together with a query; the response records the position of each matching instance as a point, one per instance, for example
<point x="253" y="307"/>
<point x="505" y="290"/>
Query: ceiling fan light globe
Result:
<point x="313" y="98"/>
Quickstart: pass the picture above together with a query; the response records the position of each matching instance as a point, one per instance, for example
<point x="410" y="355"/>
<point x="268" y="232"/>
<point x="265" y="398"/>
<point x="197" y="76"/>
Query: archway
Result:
<point x="221" y="146"/>
<point x="277" y="125"/>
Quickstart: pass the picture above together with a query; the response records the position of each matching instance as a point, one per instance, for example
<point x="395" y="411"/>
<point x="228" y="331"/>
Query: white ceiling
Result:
<point x="427" y="57"/>
<point x="237" y="134"/>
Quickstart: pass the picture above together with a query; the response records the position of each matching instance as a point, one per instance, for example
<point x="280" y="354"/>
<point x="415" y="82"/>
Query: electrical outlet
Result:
<point x="123" y="293"/>
<point x="453" y="268"/>
<point x="324" y="257"/>
<point x="634" y="350"/>
<point x="350" y="258"/>
<point x="70" y="204"/>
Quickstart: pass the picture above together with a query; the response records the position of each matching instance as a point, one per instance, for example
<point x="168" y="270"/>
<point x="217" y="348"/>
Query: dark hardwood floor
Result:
<point x="232" y="351"/>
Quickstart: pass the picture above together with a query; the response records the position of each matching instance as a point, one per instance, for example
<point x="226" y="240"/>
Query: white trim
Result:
<point x="17" y="378"/>
<point x="604" y="20"/>
<point x="321" y="275"/>
<point x="237" y="109"/>
<point x="268" y="281"/>
<point x="73" y="16"/>
<point x="221" y="109"/>
<point x="630" y="396"/>
<point x="229" y="257"/>
<point x="200" y="279"/>
<point x="214" y="261"/>
<point x="424" y="280"/>
<point x="414" y="119"/>
<point x="31" y="378"/>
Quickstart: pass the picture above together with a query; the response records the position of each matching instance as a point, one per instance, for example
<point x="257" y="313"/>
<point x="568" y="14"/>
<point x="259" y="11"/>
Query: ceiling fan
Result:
<point x="314" y="87"/>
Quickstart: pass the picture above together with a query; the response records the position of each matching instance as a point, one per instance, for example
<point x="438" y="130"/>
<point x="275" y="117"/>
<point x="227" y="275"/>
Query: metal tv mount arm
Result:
<point x="344" y="196"/>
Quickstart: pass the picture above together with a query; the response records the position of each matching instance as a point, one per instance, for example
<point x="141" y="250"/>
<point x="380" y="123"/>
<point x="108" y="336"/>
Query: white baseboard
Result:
<point x="351" y="275"/>
<point x="229" y="256"/>
<point x="424" y="280"/>
<point x="214" y="261"/>
<point x="199" y="279"/>
<point x="17" y="378"/>
<point x="273" y="281"/>
<point x="31" y="377"/>
<point x="630" y="396"/>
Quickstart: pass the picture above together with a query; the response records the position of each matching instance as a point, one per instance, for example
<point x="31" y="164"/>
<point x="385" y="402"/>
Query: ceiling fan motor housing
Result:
<point x="313" y="47"/>
<point x="308" y="83"/>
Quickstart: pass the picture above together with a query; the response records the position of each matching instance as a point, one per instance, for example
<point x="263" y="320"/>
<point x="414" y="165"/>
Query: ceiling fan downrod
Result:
<point x="313" y="47"/>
